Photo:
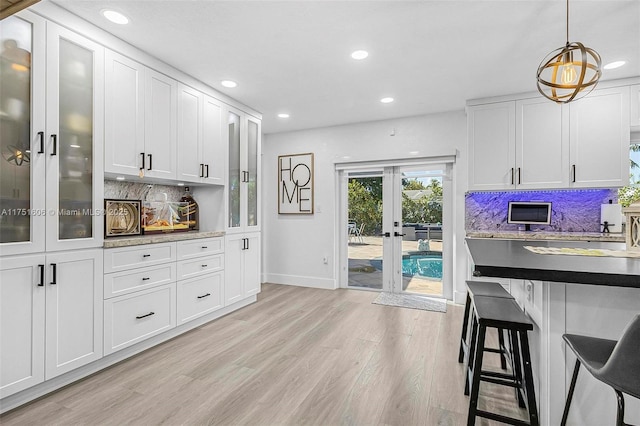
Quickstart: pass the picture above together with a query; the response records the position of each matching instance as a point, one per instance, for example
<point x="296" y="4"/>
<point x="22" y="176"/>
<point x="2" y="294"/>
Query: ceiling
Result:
<point x="430" y="56"/>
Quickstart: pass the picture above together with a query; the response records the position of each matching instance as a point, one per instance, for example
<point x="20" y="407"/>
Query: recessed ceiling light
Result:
<point x="414" y="152"/>
<point x="359" y="54"/>
<point x="73" y="145"/>
<point x="386" y="100"/>
<point x="115" y="17"/>
<point x="180" y="183"/>
<point x="119" y="177"/>
<point x="283" y="115"/>
<point x="614" y="65"/>
<point x="229" y="83"/>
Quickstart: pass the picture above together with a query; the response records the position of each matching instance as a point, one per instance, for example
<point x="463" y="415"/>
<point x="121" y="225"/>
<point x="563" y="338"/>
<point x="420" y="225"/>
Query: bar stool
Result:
<point x="505" y="314"/>
<point x="485" y="289"/>
<point x="616" y="363"/>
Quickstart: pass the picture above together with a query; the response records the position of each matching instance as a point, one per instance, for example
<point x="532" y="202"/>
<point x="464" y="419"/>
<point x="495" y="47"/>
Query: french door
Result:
<point x="392" y="230"/>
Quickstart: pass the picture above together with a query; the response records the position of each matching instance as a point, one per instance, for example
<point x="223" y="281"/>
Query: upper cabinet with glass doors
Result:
<point x="51" y="167"/>
<point x="244" y="171"/>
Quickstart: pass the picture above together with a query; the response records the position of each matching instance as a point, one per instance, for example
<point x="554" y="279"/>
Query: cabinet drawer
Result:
<point x="120" y="259"/>
<point x="201" y="247"/>
<point x="119" y="283"/>
<point x="200" y="266"/>
<point x="132" y="318"/>
<point x="199" y="296"/>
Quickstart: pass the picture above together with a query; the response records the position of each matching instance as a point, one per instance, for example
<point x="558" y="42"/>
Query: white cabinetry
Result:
<point x="491" y="137"/>
<point x="51" y="316"/>
<point x="200" y="277"/>
<point x="635" y="107"/>
<point x="200" y="147"/>
<point x="140" y="120"/>
<point x="139" y="294"/>
<point x="51" y="199"/>
<point x="242" y="266"/>
<point x="534" y="143"/>
<point x="599" y="139"/>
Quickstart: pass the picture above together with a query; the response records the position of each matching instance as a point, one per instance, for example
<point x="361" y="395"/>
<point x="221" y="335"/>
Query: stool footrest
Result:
<point x="503" y="419"/>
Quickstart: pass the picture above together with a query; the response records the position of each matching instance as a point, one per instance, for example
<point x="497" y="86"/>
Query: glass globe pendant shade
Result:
<point x="569" y="73"/>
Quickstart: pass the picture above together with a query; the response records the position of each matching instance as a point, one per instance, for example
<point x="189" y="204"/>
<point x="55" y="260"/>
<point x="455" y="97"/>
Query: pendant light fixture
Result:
<point x="570" y="72"/>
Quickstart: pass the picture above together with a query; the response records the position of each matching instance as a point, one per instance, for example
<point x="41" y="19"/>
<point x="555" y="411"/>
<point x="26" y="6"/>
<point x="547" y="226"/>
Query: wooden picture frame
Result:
<point x="295" y="184"/>
<point x="122" y="217"/>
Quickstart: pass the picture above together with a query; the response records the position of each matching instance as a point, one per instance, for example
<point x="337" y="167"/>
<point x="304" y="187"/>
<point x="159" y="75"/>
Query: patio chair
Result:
<point x="358" y="233"/>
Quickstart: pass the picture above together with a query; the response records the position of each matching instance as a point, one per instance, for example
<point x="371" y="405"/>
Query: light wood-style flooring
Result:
<point x="297" y="356"/>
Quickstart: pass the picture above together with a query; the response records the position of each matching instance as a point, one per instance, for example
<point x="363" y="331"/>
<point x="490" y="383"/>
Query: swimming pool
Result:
<point x="429" y="266"/>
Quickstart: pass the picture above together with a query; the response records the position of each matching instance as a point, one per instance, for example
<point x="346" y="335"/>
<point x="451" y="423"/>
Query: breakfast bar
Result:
<point x="565" y="293"/>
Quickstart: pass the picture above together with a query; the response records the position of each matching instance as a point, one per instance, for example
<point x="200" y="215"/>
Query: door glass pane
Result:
<point x="422" y="229"/>
<point x="365" y="245"/>
<point x="234" y="170"/>
<point x="252" y="185"/>
<point x="75" y="141"/>
<point x="15" y="130"/>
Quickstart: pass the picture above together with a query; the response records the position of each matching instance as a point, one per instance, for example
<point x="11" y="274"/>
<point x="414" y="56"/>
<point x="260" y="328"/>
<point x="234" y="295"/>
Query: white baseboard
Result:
<point x="13" y="401"/>
<point x="300" y="281"/>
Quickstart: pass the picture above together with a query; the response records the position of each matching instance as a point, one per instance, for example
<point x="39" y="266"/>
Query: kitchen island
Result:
<point x="595" y="296"/>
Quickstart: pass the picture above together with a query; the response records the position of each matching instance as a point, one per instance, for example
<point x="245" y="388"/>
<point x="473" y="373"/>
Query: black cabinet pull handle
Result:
<point x="573" y="173"/>
<point x="41" y="137"/>
<point x="207" y="166"/>
<point x="512" y="176"/>
<point x="204" y="247"/>
<point x="55" y="144"/>
<point x="150" y="161"/>
<point x="41" y="283"/>
<point x="146" y="255"/>
<point x="203" y="296"/>
<point x="54" y="269"/>
<point x="142" y="154"/>
<point x="519" y="176"/>
<point x="147" y="315"/>
<point x="204" y="266"/>
<point x="145" y="278"/>
<point x="201" y="170"/>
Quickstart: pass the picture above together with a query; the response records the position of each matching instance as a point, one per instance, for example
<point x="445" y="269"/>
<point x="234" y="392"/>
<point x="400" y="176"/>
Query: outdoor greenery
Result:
<point x="365" y="203"/>
<point x="631" y="193"/>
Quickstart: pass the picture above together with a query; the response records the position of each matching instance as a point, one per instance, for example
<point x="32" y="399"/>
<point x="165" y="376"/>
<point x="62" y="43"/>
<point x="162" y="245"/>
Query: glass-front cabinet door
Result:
<point x="244" y="171"/>
<point x="22" y="124"/>
<point x="74" y="140"/>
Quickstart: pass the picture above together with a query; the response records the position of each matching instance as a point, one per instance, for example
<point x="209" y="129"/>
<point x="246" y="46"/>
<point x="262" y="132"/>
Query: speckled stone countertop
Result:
<point x="159" y="238"/>
<point x="533" y="235"/>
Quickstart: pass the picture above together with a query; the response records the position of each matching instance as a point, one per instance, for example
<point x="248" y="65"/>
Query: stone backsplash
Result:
<point x="571" y="210"/>
<point x="141" y="191"/>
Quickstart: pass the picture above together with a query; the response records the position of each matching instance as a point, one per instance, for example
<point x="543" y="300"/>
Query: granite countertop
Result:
<point x="159" y="238"/>
<point x="545" y="235"/>
<point x="509" y="259"/>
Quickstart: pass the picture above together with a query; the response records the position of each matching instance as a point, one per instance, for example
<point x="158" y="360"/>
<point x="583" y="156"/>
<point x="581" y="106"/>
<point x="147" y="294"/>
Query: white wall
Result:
<point x="294" y="245"/>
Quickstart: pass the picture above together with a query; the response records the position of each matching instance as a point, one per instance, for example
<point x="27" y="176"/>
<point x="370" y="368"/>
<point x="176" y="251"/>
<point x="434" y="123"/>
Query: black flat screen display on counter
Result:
<point x="529" y="213"/>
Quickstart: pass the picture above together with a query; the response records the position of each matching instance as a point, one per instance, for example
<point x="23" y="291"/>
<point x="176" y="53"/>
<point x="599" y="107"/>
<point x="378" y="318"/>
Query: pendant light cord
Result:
<point x="567" y="22"/>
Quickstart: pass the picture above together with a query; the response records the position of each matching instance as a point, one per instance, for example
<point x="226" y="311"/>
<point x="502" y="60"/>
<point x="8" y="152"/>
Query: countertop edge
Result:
<point x="159" y="238"/>
<point x="561" y="236"/>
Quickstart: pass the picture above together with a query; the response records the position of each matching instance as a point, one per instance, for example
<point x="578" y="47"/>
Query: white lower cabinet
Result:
<point x="200" y="296"/>
<point x="242" y="266"/>
<point x="50" y="316"/>
<point x="134" y="317"/>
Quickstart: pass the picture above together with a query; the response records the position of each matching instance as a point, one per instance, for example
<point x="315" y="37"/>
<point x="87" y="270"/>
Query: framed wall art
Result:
<point x="295" y="184"/>
<point x="121" y="217"/>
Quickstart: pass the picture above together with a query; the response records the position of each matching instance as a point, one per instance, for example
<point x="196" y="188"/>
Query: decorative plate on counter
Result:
<point x="122" y="217"/>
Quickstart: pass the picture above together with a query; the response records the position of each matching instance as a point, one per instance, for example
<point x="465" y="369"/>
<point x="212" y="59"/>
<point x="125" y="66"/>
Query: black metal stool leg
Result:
<point x="472" y="353"/>
<point x="477" y="371"/>
<point x="528" y="379"/>
<point x="465" y="325"/>
<point x="620" y="416"/>
<point x="572" y="387"/>
<point x="502" y="347"/>
<point x="517" y="367"/>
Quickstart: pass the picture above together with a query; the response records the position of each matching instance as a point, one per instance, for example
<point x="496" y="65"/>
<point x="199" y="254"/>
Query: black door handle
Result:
<point x="41" y="283"/>
<point x="207" y="166"/>
<point x="201" y="170"/>
<point x="397" y="234"/>
<point x="150" y="161"/>
<point x="54" y="269"/>
<point x="147" y="315"/>
<point x="55" y="144"/>
<point x="386" y="234"/>
<point x="41" y="137"/>
<point x="203" y="296"/>
<point x="142" y="154"/>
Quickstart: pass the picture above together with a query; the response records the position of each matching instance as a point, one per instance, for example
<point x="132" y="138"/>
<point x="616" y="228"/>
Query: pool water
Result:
<point x="423" y="266"/>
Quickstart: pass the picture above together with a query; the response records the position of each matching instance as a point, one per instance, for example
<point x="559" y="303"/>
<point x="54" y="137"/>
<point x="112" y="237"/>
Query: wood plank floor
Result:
<point x="298" y="356"/>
